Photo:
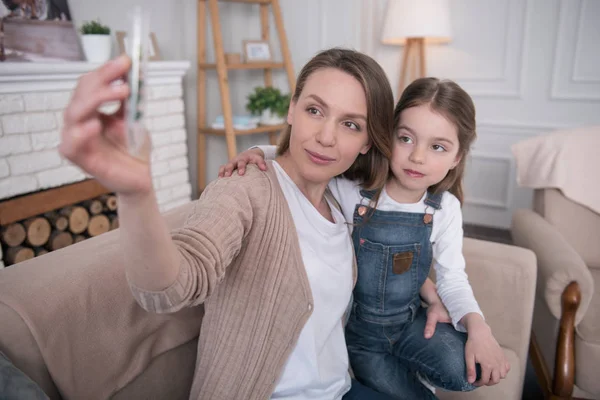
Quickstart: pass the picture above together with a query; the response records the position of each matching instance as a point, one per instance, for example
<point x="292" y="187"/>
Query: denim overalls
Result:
<point x="385" y="332"/>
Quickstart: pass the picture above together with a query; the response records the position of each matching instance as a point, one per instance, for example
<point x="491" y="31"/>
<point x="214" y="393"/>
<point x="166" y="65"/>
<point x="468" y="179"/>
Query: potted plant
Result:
<point x="270" y="104"/>
<point x="96" y="41"/>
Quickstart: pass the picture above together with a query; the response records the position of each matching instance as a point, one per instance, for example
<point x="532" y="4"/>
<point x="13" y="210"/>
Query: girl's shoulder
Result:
<point x="449" y="205"/>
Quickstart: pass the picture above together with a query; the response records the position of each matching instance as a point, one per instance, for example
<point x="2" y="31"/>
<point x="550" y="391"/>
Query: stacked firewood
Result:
<point x="54" y="230"/>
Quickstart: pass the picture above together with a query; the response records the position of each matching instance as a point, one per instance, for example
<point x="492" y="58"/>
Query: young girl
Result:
<point x="399" y="230"/>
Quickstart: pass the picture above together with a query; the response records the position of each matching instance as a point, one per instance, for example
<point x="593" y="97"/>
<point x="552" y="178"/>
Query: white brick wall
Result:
<point x="4" y="169"/>
<point x="30" y="125"/>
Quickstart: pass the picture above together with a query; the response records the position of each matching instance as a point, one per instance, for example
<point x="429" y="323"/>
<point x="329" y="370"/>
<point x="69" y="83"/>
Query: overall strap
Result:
<point x="434" y="200"/>
<point x="368" y="193"/>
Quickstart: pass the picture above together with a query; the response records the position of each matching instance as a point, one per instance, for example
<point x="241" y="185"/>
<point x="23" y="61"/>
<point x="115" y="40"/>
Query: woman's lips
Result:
<point x="318" y="158"/>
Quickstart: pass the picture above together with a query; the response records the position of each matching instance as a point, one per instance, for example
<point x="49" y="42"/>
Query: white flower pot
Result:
<point x="97" y="48"/>
<point x="268" y="117"/>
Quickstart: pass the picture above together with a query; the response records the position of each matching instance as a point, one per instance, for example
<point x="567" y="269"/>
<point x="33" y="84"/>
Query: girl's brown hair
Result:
<point x="449" y="100"/>
<point x="370" y="169"/>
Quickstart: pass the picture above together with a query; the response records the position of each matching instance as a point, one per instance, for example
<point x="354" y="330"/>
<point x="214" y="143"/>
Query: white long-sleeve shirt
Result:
<point x="317" y="368"/>
<point x="446" y="237"/>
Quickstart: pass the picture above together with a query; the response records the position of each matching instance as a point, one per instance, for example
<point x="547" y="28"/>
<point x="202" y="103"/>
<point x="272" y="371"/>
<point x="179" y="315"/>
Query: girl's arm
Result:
<point x="452" y="281"/>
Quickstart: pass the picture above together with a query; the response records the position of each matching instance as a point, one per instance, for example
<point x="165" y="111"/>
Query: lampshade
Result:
<point x="429" y="19"/>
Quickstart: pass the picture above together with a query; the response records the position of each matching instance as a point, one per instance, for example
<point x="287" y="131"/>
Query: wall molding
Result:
<point x="505" y="202"/>
<point x="574" y="76"/>
<point x="557" y="93"/>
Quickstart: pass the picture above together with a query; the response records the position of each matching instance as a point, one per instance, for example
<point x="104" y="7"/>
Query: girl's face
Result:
<point x="329" y="125"/>
<point x="426" y="147"/>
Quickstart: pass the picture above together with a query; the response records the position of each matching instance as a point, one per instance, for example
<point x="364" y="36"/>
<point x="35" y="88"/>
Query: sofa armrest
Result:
<point x="503" y="278"/>
<point x="558" y="263"/>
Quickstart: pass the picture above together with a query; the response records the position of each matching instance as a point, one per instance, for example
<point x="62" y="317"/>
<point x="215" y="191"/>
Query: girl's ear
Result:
<point x="456" y="161"/>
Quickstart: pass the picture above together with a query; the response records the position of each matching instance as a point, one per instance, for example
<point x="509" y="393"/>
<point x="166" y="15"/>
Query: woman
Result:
<point x="267" y="254"/>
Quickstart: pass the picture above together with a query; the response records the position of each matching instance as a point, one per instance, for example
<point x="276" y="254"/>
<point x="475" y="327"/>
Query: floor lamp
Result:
<point x="414" y="23"/>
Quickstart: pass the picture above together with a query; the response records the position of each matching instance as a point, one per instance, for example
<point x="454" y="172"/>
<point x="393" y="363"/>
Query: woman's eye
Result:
<point x="437" y="147"/>
<point x="313" y="111"/>
<point x="352" y="125"/>
<point x="405" y="139"/>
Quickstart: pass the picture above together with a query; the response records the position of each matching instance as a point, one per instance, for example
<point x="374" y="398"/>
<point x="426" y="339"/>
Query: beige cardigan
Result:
<point x="241" y="259"/>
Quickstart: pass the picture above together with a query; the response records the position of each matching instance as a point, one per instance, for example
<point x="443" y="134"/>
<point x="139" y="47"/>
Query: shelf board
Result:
<point x="260" y="129"/>
<point x="255" y="65"/>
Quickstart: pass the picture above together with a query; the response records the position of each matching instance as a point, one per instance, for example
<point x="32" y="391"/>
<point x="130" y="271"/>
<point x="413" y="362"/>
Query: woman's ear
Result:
<point x="365" y="149"/>
<point x="290" y="114"/>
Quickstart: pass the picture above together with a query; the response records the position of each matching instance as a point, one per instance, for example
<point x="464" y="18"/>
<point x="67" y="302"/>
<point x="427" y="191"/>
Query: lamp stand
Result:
<point x="413" y="56"/>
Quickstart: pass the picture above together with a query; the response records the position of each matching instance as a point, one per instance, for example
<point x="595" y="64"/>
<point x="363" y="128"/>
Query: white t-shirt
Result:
<point x="318" y="366"/>
<point x="446" y="235"/>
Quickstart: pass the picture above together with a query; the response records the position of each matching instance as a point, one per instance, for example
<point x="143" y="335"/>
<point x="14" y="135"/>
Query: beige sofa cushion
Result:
<point x="578" y="224"/>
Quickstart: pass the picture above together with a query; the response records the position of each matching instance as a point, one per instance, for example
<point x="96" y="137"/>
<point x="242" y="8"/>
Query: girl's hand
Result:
<point x="482" y="348"/>
<point x="436" y="313"/>
<point x="97" y="142"/>
<point x="239" y="162"/>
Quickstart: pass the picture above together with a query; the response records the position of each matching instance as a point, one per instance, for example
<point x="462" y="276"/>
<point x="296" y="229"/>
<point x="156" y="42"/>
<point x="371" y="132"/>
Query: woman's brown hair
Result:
<point x="449" y="100"/>
<point x="370" y="169"/>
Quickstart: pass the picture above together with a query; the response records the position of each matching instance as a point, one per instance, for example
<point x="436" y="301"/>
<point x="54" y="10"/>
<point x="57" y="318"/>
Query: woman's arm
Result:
<point x="162" y="268"/>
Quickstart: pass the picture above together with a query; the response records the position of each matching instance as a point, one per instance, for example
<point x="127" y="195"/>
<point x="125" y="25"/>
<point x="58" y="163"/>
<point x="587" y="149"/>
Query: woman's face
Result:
<point x="329" y="125"/>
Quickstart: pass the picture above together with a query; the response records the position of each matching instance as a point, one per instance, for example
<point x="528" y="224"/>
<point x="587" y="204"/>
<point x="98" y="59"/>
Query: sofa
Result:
<point x="565" y="236"/>
<point x="62" y="325"/>
<point x="563" y="229"/>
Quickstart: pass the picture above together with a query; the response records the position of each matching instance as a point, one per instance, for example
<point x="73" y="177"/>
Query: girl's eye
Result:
<point x="352" y="125"/>
<point x="437" y="147"/>
<point x="313" y="111"/>
<point x="405" y="139"/>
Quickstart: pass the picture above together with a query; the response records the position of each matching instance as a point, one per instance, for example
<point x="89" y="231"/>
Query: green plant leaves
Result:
<point x="94" y="28"/>
<point x="264" y="98"/>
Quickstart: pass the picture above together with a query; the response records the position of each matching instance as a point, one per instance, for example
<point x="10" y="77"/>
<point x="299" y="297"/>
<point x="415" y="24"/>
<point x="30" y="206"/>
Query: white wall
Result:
<point x="530" y="65"/>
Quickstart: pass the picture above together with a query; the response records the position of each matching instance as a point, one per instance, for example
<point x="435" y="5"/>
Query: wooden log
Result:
<point x="78" y="218"/>
<point x="57" y="221"/>
<point x="98" y="225"/>
<point x="38" y="231"/>
<point x="14" y="234"/>
<point x="109" y="201"/>
<point x="114" y="222"/>
<point x="40" y="251"/>
<point x="94" y="207"/>
<point x="78" y="238"/>
<point x="59" y="239"/>
<point x="18" y="254"/>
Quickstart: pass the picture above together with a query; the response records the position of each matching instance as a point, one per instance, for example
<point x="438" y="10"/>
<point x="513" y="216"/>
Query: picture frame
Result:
<point x="257" y="51"/>
<point x="153" y="49"/>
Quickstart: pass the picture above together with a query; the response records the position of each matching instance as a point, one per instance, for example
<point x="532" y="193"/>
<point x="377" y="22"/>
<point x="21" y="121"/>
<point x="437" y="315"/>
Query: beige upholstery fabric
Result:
<point x="576" y="223"/>
<point x="503" y="278"/>
<point x="565" y="238"/>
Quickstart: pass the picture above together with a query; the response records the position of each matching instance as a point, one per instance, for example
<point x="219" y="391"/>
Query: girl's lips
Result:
<point x="319" y="158"/>
<point x="413" y="174"/>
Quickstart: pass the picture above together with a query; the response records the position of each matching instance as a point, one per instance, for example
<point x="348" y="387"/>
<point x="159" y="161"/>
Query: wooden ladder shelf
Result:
<point x="222" y="70"/>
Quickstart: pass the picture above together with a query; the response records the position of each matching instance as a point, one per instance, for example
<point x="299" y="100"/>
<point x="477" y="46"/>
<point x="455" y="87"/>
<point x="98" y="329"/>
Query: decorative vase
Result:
<point x="268" y="117"/>
<point x="97" y="48"/>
